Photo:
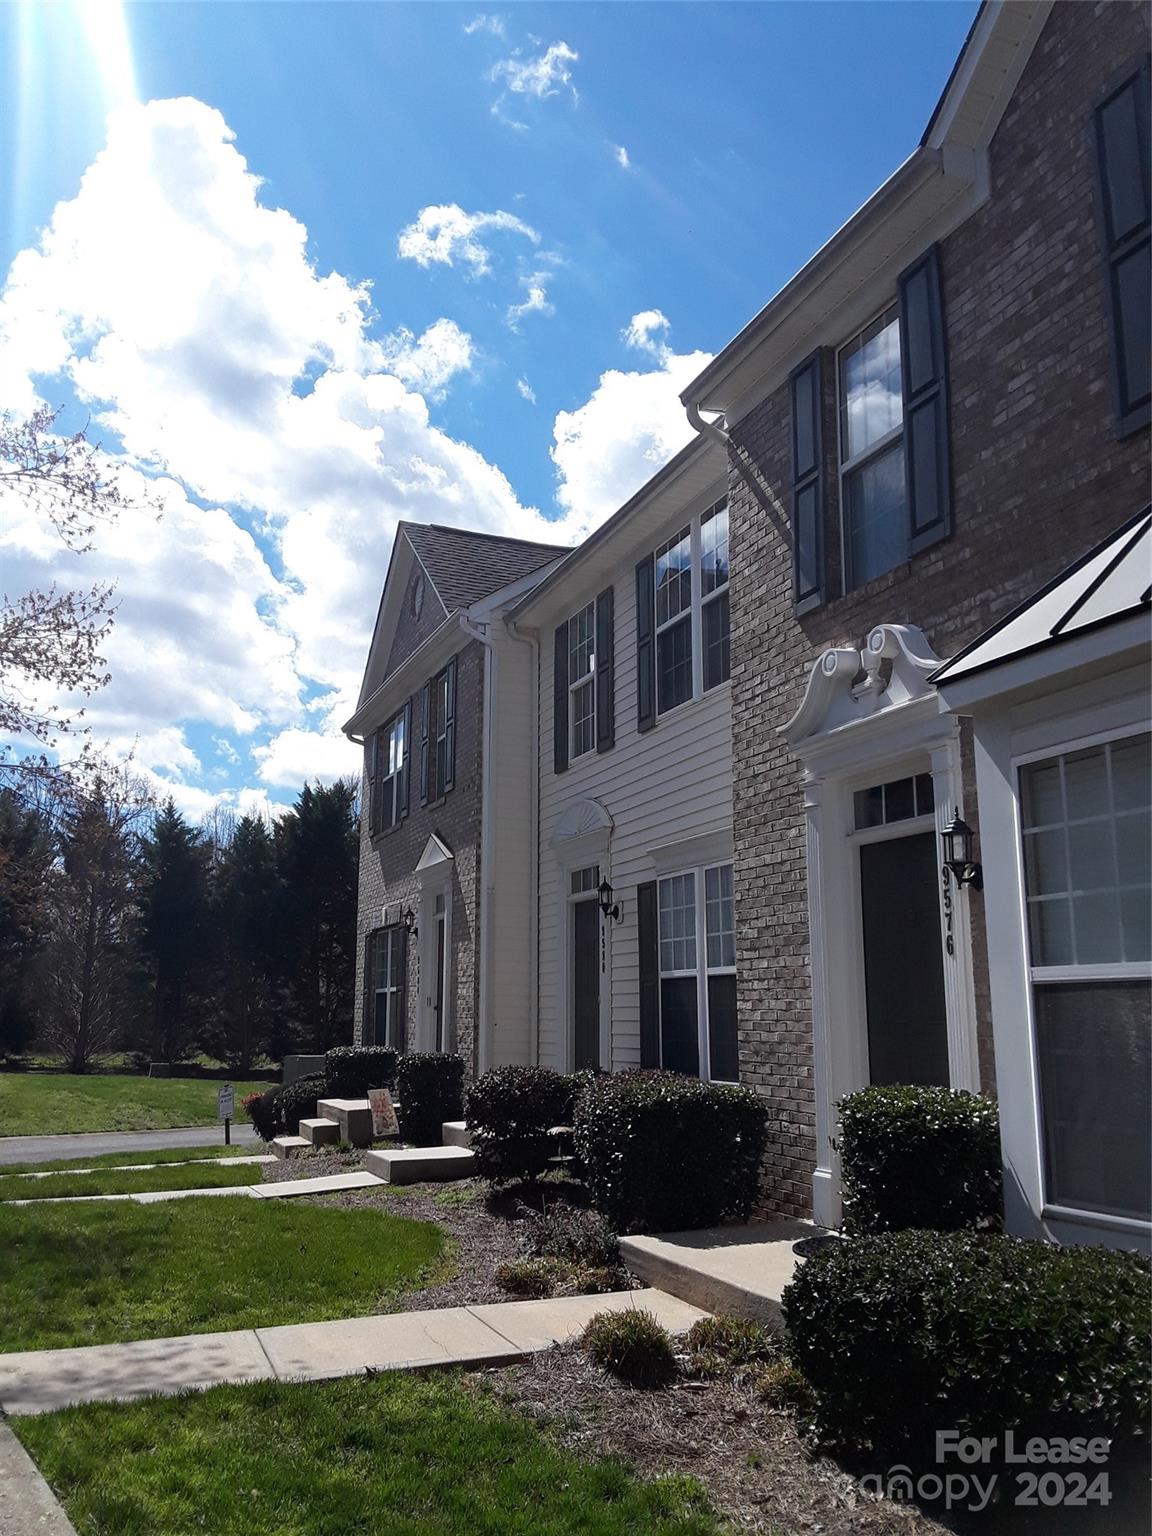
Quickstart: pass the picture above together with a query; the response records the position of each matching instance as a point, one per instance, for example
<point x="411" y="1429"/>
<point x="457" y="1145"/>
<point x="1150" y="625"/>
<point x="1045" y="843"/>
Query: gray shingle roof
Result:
<point x="465" y="567"/>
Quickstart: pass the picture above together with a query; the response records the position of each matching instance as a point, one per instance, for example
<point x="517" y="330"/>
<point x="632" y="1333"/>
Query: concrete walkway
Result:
<point x="28" y="1507"/>
<point x="279" y="1189"/>
<point x="739" y="1269"/>
<point x="40" y="1381"/>
<point x="43" y="1149"/>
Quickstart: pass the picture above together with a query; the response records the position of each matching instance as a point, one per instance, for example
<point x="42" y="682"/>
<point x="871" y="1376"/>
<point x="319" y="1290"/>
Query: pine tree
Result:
<point x="175" y="926"/>
<point x="245" y="904"/>
<point x="27" y="851"/>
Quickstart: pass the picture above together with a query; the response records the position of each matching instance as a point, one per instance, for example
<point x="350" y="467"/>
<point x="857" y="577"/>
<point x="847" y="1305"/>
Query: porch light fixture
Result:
<point x="408" y="918"/>
<point x="609" y="907"/>
<point x="959" y="845"/>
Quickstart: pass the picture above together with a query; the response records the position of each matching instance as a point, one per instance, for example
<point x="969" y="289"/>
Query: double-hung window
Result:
<point x="582" y="681"/>
<point x="388" y="755"/>
<point x="872" y="489"/>
<point x="1086" y="821"/>
<point x="697" y="970"/>
<point x="438" y="734"/>
<point x="687" y="587"/>
<point x="385" y="987"/>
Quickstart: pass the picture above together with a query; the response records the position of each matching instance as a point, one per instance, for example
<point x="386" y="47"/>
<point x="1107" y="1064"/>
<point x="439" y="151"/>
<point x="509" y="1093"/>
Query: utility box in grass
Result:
<point x="160" y="1069"/>
<point x="300" y="1066"/>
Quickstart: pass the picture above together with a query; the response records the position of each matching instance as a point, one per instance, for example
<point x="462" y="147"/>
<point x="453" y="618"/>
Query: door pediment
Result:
<point x="847" y="686"/>
<point x="436" y="856"/>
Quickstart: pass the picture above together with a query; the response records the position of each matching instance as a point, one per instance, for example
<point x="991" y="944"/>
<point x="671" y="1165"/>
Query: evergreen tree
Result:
<point x="317" y="854"/>
<point x="245" y="906"/>
<point x="175" y="927"/>
<point x="27" y="851"/>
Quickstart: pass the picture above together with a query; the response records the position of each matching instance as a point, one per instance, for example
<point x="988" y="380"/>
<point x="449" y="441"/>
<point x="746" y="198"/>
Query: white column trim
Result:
<point x="955" y="923"/>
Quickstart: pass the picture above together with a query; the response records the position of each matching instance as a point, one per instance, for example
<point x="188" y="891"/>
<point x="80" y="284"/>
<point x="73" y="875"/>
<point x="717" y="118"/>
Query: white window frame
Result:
<point x="585" y="680"/>
<point x="702" y="970"/>
<point x="1046" y="975"/>
<point x="698" y="601"/>
<point x="709" y="599"/>
<point x="438" y="742"/>
<point x="848" y="467"/>
<point x="390" y="781"/>
<point x="394" y="935"/>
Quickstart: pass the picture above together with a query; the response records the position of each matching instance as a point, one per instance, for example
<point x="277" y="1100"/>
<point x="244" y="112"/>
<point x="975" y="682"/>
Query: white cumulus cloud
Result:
<point x="541" y="76"/>
<point x="428" y="362"/>
<point x="483" y="23"/>
<point x="534" y="302"/>
<point x="445" y="233"/>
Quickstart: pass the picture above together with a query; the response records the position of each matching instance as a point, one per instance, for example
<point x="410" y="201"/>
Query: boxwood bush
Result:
<point x="903" y="1333"/>
<point x="663" y="1153"/>
<point x="509" y="1112"/>
<point x="919" y="1157"/>
<point x="350" y="1070"/>
<point x="297" y="1101"/>
<point x="430" y="1090"/>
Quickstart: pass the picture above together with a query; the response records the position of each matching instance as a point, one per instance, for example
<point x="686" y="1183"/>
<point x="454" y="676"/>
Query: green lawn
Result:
<point x="111" y="1181"/>
<point x="48" y="1103"/>
<point x="400" y="1454"/>
<point x="133" y="1159"/>
<point x="103" y="1274"/>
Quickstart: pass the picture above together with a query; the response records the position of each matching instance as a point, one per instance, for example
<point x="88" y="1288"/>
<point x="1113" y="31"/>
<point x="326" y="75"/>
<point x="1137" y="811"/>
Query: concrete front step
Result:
<point x="289" y="1146"/>
<point x="321" y="1133"/>
<point x="741" y="1270"/>
<point x="455" y="1133"/>
<point x="353" y="1116"/>
<point x="414" y="1165"/>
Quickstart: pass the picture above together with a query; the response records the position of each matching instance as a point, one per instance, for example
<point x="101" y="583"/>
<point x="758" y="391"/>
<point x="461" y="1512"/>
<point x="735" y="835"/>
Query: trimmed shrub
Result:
<point x="632" y="1345"/>
<point x="578" y="1237"/>
<point x="663" y="1153"/>
<point x="350" y="1070"/>
<point x="297" y="1101"/>
<point x="902" y="1333"/>
<point x="263" y="1109"/>
<point x="919" y="1157"/>
<point x="430" y="1089"/>
<point x="729" y="1346"/>
<point x="509" y="1112"/>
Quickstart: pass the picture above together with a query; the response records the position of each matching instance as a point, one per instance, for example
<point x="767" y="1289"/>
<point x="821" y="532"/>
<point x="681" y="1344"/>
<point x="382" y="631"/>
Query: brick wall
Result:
<point x="410" y="630"/>
<point x="1038" y="476"/>
<point x="387" y="861"/>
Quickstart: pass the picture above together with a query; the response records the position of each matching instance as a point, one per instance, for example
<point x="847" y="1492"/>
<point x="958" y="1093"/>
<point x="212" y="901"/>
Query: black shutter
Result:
<point x="406" y="766"/>
<point x="370" y="747"/>
<point x="425" y="725"/>
<point x="924" y="375"/>
<point x="808" y="484"/>
<point x="400" y="1041"/>
<point x="1125" y="214"/>
<point x="367" y="1023"/>
<point x="646" y="644"/>
<point x="449" y="729"/>
<point x="560" y="698"/>
<point x="605" y="671"/>
<point x="647" y="923"/>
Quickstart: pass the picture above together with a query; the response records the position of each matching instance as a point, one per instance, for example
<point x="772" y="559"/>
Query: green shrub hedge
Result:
<point x="663" y="1153"/>
<point x="430" y="1090"/>
<point x="509" y="1112"/>
<point x="919" y="1157"/>
<point x="350" y="1070"/>
<point x="297" y="1101"/>
<point x="904" y="1333"/>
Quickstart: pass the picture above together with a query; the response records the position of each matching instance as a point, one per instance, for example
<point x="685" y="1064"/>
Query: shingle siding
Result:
<point x="1038" y="476"/>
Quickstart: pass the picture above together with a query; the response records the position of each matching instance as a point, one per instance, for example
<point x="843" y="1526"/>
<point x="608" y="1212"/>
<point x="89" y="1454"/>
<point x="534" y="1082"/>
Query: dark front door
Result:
<point x="903" y="962"/>
<point x="586" y="983"/>
<point x="438" y="983"/>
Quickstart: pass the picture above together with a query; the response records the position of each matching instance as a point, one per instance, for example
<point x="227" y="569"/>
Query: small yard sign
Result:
<point x="384" y="1121"/>
<point x="226" y="1102"/>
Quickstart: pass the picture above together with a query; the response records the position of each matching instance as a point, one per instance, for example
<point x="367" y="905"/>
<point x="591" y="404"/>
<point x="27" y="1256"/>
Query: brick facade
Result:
<point x="1038" y="476"/>
<point x="413" y="629"/>
<point x="388" y="861"/>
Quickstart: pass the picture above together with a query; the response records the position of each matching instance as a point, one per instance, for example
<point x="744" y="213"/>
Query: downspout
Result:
<point x="531" y="639"/>
<point x="481" y="633"/>
<point x="713" y="430"/>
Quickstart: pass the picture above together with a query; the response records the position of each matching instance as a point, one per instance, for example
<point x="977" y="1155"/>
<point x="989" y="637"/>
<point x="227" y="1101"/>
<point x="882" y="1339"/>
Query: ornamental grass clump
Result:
<point x="729" y="1346"/>
<point x="662" y="1152"/>
<point x="919" y="1157"/>
<point x="633" y="1346"/>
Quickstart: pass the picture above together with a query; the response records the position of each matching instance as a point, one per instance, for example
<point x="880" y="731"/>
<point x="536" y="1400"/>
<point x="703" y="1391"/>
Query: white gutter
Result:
<point x="481" y="633"/>
<point x="531" y="638"/>
<point x="713" y="430"/>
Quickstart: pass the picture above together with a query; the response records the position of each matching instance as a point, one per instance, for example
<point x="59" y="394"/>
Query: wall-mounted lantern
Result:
<point x="609" y="907"/>
<point x="959" y="847"/>
<point x="408" y="918"/>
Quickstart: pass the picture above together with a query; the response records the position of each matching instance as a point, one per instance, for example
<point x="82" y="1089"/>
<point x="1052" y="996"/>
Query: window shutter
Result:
<point x="370" y="779"/>
<point x="1125" y="215"/>
<point x="560" y="699"/>
<point x="605" y="671"/>
<point x="425" y="727"/>
<point x="646" y="644"/>
<point x="406" y="767"/>
<point x="367" y="1021"/>
<point x="925" y="384"/>
<point x="400" y="1040"/>
<point x="808" y="484"/>
<point x="449" y="731"/>
<point x="647" y="924"/>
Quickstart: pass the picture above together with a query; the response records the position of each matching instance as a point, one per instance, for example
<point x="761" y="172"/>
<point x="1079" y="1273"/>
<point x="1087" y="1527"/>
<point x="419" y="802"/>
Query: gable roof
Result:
<point x="465" y="567"/>
<point x="1109" y="583"/>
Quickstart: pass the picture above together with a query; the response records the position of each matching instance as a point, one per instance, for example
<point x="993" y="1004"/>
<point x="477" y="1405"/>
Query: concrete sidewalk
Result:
<point x="40" y="1381"/>
<point x="28" y="1507"/>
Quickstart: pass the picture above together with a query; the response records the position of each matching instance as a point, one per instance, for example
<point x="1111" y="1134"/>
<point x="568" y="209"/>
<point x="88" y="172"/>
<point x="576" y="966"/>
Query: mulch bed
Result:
<point x="750" y="1458"/>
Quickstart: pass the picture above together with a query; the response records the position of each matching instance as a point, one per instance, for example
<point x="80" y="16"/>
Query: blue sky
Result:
<point x="592" y="164"/>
